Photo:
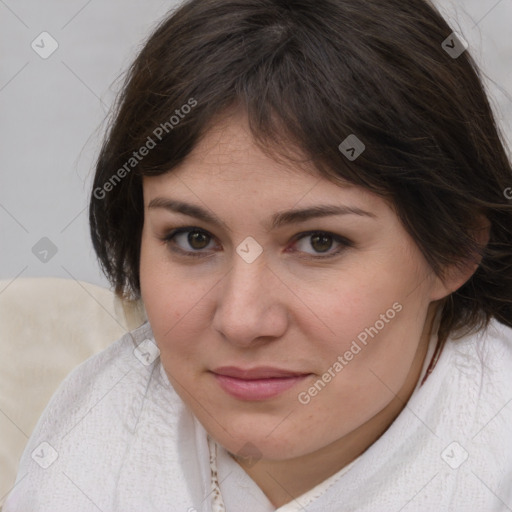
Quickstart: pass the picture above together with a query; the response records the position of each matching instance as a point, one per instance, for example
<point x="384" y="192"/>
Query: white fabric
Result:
<point x="126" y="442"/>
<point x="48" y="326"/>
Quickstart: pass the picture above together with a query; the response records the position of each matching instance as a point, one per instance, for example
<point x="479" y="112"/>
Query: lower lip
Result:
<point x="256" y="389"/>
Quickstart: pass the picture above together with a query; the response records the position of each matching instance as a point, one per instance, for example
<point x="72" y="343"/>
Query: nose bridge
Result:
<point x="247" y="285"/>
<point x="249" y="305"/>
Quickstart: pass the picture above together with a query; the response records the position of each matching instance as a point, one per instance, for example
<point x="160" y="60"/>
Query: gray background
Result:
<point x="53" y="113"/>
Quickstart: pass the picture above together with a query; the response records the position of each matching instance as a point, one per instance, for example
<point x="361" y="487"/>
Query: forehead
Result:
<point x="228" y="144"/>
<point x="227" y="167"/>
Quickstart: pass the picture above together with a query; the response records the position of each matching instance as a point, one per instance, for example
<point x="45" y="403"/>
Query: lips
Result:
<point x="261" y="372"/>
<point x="261" y="383"/>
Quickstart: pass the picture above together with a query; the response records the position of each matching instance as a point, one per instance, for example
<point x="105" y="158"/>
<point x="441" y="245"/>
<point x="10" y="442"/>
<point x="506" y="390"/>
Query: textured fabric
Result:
<point x="126" y="442"/>
<point x="48" y="326"/>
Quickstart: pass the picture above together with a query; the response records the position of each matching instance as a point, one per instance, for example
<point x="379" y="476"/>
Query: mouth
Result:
<point x="256" y="384"/>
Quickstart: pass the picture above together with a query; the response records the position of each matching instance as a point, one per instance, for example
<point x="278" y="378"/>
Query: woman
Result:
<point x="309" y="198"/>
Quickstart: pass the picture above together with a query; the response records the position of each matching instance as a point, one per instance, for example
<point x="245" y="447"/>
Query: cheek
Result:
<point x="160" y="293"/>
<point x="373" y="323"/>
<point x="174" y="303"/>
<point x="350" y="308"/>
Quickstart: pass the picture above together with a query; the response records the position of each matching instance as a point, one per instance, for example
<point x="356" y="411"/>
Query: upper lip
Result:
<point x="260" y="372"/>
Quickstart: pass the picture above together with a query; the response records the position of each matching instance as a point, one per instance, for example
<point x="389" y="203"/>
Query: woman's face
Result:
<point x="277" y="338"/>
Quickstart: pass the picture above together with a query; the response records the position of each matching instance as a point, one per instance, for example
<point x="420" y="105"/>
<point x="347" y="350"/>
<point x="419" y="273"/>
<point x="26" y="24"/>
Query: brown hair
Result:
<point x="309" y="73"/>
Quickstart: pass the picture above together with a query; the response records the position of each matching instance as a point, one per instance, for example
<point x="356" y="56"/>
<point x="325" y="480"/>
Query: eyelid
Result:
<point x="343" y="241"/>
<point x="169" y="237"/>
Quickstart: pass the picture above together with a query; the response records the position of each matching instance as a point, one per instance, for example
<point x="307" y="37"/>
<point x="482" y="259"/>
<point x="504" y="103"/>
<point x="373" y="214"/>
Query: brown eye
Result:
<point x="321" y="242"/>
<point x="197" y="239"/>
<point x="188" y="241"/>
<point x="195" y="242"/>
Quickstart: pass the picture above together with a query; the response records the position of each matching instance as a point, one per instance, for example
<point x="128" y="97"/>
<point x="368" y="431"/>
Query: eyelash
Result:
<point x="168" y="239"/>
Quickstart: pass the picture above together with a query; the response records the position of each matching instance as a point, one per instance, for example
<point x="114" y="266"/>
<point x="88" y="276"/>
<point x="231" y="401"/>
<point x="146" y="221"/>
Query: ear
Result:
<point x="457" y="275"/>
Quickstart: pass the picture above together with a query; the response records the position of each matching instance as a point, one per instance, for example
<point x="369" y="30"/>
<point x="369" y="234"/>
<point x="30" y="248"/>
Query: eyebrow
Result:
<point x="277" y="220"/>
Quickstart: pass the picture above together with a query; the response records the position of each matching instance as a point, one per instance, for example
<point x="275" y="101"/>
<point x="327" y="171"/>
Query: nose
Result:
<point x="251" y="304"/>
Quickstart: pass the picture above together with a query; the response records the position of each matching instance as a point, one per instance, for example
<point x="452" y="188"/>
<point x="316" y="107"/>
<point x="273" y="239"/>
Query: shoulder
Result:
<point x="478" y="415"/>
<point x="453" y="438"/>
<point x="89" y="424"/>
<point x="486" y="354"/>
<point x="477" y="368"/>
<point x="130" y="358"/>
<point x="489" y="355"/>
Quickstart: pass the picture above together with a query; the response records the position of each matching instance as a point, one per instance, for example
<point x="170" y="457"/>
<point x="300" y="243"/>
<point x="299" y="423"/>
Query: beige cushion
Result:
<point x="47" y="327"/>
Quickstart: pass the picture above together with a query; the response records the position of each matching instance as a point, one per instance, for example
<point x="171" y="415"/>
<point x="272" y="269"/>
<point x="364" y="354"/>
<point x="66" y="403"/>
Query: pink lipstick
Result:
<point x="259" y="383"/>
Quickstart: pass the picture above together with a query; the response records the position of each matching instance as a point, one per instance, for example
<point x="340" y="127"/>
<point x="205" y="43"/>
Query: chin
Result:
<point x="247" y="441"/>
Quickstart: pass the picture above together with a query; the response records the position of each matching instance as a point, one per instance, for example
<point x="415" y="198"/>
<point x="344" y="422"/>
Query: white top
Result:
<point x="117" y="437"/>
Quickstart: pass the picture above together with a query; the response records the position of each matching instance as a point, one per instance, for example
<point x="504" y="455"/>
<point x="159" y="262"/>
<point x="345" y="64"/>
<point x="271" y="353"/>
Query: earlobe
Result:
<point x="457" y="275"/>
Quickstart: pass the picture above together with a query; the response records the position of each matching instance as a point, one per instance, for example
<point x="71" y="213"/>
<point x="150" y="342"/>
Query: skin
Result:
<point x="285" y="309"/>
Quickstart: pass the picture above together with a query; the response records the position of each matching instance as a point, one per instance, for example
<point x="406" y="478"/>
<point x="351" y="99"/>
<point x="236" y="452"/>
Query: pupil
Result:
<point x="195" y="239"/>
<point x="324" y="244"/>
